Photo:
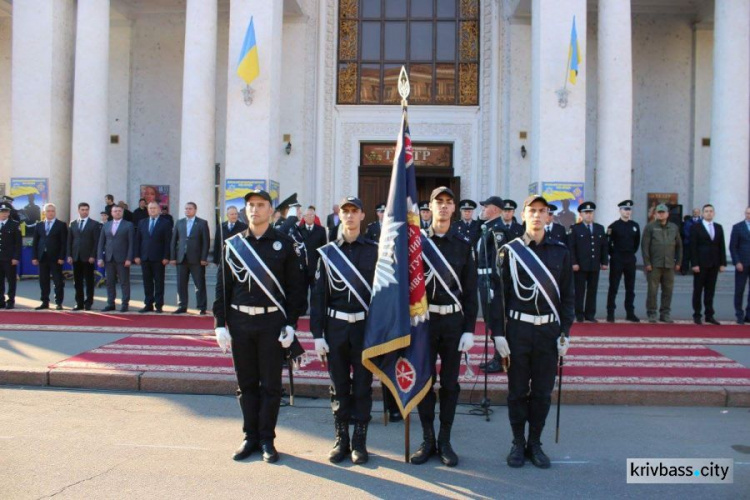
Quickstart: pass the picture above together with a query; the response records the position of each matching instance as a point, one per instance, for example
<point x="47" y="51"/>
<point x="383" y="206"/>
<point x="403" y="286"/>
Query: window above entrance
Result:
<point x="437" y="41"/>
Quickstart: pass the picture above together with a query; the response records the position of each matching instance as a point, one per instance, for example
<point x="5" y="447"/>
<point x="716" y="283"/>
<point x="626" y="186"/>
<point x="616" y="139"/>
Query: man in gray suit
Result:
<point x="189" y="252"/>
<point x="83" y="242"/>
<point x="115" y="255"/>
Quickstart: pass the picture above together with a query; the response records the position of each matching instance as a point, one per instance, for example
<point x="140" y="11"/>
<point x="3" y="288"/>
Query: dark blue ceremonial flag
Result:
<point x="397" y="345"/>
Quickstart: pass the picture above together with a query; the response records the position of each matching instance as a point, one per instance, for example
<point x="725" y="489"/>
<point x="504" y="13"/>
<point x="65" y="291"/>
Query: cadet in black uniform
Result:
<point x="513" y="228"/>
<point x="425" y="216"/>
<point x="338" y="309"/>
<point x="532" y="329"/>
<point x="494" y="236"/>
<point x="255" y="312"/>
<point x="589" y="252"/>
<point x="10" y="255"/>
<point x="624" y="240"/>
<point x="467" y="225"/>
<point x="373" y="228"/>
<point x="451" y="281"/>
<point x="555" y="230"/>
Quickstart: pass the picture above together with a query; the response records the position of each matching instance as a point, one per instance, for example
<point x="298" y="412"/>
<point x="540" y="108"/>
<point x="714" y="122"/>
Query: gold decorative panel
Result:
<point x="469" y="9"/>
<point x="469" y="41"/>
<point x="348" y="9"/>
<point x="468" y="84"/>
<point x="347" y="93"/>
<point x="348" y="40"/>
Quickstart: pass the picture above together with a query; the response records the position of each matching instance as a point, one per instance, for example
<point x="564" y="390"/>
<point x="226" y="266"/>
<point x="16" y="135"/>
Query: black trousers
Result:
<point x="704" y="286"/>
<point x="7" y="273"/>
<point x="198" y="272"/>
<point x="258" y="358"/>
<point x="740" y="280"/>
<point x="351" y="383"/>
<point x="586" y="283"/>
<point x="531" y="376"/>
<point x="83" y="273"/>
<point x="116" y="271"/>
<point x="153" y="283"/>
<point x="617" y="270"/>
<point x="47" y="268"/>
<point x="445" y="334"/>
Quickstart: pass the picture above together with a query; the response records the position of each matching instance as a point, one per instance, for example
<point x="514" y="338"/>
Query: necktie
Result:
<point x="151" y="226"/>
<point x="46" y="227"/>
<point x="189" y="226"/>
<point x="309" y="228"/>
<point x="114" y="227"/>
<point x="591" y="229"/>
<point x="81" y="223"/>
<point x="1" y="225"/>
<point x="230" y="226"/>
<point x="546" y="229"/>
<point x="711" y="230"/>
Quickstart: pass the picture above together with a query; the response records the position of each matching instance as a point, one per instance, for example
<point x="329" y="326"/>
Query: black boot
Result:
<point x="359" y="444"/>
<point x="444" y="448"/>
<point x="516" y="456"/>
<point x="341" y="446"/>
<point x="534" y="450"/>
<point x="427" y="448"/>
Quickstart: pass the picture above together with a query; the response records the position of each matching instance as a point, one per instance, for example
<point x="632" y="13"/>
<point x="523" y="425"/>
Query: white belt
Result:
<point x="482" y="271"/>
<point x="443" y="310"/>
<point x="254" y="311"/>
<point x="531" y="318"/>
<point x="348" y="317"/>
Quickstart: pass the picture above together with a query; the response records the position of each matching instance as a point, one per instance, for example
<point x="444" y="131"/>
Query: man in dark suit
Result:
<point x="115" y="255"/>
<point x="313" y="237"/>
<point x="140" y="213"/>
<point x="10" y="255"/>
<point x="332" y="222"/>
<point x="555" y="230"/>
<point x="48" y="252"/>
<point x="165" y="213"/>
<point x="708" y="255"/>
<point x="739" y="249"/>
<point x="189" y="252"/>
<point x="109" y="202"/>
<point x="32" y="211"/>
<point x="151" y="252"/>
<point x="589" y="253"/>
<point x="232" y="226"/>
<point x="83" y="242"/>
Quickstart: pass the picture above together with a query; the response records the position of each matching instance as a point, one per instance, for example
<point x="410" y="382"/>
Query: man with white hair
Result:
<point x="48" y="250"/>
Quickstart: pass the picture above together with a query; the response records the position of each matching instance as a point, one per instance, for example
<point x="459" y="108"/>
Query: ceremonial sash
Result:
<point x="440" y="268"/>
<point x="337" y="263"/>
<point x="538" y="272"/>
<point x="254" y="265"/>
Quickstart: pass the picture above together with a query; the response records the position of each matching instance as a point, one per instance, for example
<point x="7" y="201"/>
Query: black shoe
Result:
<point x="516" y="456"/>
<point x="108" y="309"/>
<point x="395" y="416"/>
<point x="427" y="448"/>
<point x="493" y="366"/>
<point x="42" y="306"/>
<point x="10" y="305"/>
<point x="159" y="309"/>
<point x="666" y="319"/>
<point x="712" y="321"/>
<point x="633" y="318"/>
<point x="124" y="309"/>
<point x="537" y="456"/>
<point x="698" y="321"/>
<point x="78" y="307"/>
<point x="246" y="449"/>
<point x="202" y="312"/>
<point x="58" y="307"/>
<point x="610" y="317"/>
<point x="270" y="455"/>
<point x="592" y="320"/>
<point x="87" y="307"/>
<point x="740" y="321"/>
<point x="444" y="448"/>
<point x="181" y="310"/>
<point x="579" y="319"/>
<point x="482" y="365"/>
<point x="3" y="305"/>
<point x="341" y="447"/>
<point x="146" y="309"/>
<point x="747" y="319"/>
<point x="359" y="444"/>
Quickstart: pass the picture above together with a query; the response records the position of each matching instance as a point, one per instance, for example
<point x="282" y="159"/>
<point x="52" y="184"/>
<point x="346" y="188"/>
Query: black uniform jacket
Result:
<point x="589" y="251"/>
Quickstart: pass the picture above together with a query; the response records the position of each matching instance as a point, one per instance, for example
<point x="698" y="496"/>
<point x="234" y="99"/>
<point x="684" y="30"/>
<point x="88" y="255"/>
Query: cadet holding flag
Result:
<point x="451" y="276"/>
<point x="339" y="305"/>
<point x="260" y="295"/>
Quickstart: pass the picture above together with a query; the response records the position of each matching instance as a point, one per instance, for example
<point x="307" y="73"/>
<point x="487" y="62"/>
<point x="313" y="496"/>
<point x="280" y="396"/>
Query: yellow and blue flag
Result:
<point x="248" y="67"/>
<point x="574" y="54"/>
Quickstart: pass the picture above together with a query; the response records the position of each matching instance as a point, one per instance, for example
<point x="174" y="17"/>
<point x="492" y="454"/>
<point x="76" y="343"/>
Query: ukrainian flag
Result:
<point x="248" y="67"/>
<point x="574" y="54"/>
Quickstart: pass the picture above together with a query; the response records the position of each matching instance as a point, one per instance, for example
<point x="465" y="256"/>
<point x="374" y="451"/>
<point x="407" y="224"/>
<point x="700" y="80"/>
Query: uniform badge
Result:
<point x="277" y="245"/>
<point x="635" y="229"/>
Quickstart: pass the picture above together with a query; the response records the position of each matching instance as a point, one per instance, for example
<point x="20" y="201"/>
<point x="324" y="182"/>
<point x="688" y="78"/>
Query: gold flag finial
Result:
<point x="403" y="86"/>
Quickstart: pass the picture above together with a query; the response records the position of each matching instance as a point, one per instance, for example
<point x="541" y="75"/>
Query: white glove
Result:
<point x="223" y="338"/>
<point x="321" y="347"/>
<point x="466" y="342"/>
<point x="501" y="344"/>
<point x="563" y="343"/>
<point x="287" y="336"/>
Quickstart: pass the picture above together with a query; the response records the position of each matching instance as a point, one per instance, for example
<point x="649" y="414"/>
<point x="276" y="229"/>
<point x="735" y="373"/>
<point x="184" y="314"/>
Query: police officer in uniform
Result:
<point x="451" y="278"/>
<point x="624" y="239"/>
<point x="338" y="309"/>
<point x="494" y="235"/>
<point x="14" y="214"/>
<point x="373" y="228"/>
<point x="531" y="323"/>
<point x="258" y="301"/>
<point x="555" y="230"/>
<point x="467" y="225"/>
<point x="513" y="228"/>
<point x="589" y="252"/>
<point x="10" y="255"/>
<point x="425" y="216"/>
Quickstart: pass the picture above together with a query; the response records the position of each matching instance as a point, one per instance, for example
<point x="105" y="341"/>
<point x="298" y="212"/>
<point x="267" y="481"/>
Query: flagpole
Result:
<point x="407" y="433"/>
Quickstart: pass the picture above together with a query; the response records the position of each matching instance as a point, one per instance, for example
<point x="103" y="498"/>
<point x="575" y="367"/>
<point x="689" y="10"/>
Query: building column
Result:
<point x="197" y="155"/>
<point x="558" y="134"/>
<point x="88" y="180"/>
<point x="614" y="136"/>
<point x="42" y="94"/>
<point x="254" y="140"/>
<point x="730" y="129"/>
